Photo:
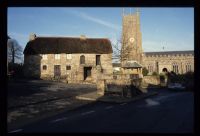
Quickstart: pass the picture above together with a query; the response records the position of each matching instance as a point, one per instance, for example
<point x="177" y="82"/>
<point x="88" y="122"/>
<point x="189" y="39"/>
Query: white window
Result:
<point x="57" y="56"/>
<point x="69" y="56"/>
<point x="44" y="56"/>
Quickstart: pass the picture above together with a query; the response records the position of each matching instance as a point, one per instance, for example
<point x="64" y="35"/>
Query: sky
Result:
<point x="171" y="28"/>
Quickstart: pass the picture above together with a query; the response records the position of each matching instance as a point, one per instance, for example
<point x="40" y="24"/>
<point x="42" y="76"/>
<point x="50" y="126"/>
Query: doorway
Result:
<point x="57" y="72"/>
<point x="87" y="72"/>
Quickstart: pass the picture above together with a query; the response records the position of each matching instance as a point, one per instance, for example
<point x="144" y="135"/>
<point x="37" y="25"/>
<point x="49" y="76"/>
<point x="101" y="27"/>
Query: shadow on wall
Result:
<point x="32" y="66"/>
<point x="126" y="89"/>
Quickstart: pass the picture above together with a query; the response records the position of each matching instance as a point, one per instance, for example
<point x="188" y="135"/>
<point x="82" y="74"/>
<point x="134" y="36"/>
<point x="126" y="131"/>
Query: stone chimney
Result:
<point x="32" y="37"/>
<point x="83" y="37"/>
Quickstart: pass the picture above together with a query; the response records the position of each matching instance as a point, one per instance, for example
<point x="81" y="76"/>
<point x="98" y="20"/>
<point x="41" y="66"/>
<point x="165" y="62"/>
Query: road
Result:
<point x="168" y="112"/>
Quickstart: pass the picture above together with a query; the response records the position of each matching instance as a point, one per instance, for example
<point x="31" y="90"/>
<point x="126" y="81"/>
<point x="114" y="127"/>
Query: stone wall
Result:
<point x="150" y="80"/>
<point x="76" y="74"/>
<point x="31" y="66"/>
<point x="167" y="61"/>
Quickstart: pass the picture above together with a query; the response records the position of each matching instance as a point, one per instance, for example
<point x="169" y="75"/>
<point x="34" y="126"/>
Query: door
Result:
<point x="57" y="72"/>
<point x="87" y="72"/>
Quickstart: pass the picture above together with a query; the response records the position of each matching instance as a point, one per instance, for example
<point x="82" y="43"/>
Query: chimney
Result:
<point x="32" y="37"/>
<point x="83" y="37"/>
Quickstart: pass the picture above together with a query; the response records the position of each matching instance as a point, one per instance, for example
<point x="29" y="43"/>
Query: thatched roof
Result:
<point x="55" y="45"/>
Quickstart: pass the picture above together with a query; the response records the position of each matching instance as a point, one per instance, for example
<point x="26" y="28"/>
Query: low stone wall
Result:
<point x="125" y="87"/>
<point x="150" y="80"/>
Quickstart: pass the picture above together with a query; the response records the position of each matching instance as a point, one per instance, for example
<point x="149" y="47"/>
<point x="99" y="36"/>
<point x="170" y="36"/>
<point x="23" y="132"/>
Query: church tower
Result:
<point x="131" y="38"/>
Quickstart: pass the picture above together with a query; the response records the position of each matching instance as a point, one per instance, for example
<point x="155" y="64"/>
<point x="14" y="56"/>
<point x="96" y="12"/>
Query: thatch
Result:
<point x="54" y="45"/>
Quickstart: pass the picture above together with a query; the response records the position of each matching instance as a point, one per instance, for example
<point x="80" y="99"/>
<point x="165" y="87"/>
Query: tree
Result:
<point x="14" y="51"/>
<point x="120" y="52"/>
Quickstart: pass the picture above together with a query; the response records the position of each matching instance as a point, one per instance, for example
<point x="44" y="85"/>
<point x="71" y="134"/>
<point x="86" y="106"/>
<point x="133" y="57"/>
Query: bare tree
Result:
<point x="14" y="51"/>
<point x="121" y="50"/>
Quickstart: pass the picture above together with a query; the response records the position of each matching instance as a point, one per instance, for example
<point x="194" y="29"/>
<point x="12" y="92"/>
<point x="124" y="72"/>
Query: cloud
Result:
<point x="96" y="20"/>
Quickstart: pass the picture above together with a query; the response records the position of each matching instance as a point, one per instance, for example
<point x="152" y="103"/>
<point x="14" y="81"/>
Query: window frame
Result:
<point x="44" y="56"/>
<point x="82" y="59"/>
<point x="44" y="67"/>
<point x="57" y="56"/>
<point x="68" y="67"/>
<point x="98" y="61"/>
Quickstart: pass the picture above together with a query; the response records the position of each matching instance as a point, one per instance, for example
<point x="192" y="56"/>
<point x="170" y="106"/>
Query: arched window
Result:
<point x="150" y="68"/>
<point x="82" y="59"/>
<point x="188" y="67"/>
<point x="175" y="67"/>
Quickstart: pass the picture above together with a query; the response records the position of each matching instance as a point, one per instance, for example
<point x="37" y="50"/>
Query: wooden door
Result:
<point x="57" y="72"/>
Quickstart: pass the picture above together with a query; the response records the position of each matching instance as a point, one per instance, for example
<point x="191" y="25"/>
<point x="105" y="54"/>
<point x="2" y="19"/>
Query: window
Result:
<point x="188" y="67"/>
<point x="68" y="67"/>
<point x="69" y="56"/>
<point x="98" y="61"/>
<point x="57" y="56"/>
<point x="44" y="56"/>
<point x="44" y="67"/>
<point x="175" y="67"/>
<point x="150" y="68"/>
<point x="82" y="59"/>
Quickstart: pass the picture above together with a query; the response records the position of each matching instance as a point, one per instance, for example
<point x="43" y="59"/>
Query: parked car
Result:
<point x="176" y="86"/>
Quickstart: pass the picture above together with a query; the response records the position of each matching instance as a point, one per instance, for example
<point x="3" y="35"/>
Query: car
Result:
<point x="176" y="86"/>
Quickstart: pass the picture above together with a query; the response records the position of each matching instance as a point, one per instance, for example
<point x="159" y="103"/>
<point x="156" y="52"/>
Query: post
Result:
<point x="101" y="87"/>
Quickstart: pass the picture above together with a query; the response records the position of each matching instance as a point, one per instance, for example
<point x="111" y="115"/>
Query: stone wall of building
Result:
<point x="76" y="73"/>
<point x="31" y="66"/>
<point x="159" y="62"/>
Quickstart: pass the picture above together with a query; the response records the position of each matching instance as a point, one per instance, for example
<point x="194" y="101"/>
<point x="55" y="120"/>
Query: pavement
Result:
<point x="166" y="112"/>
<point x="93" y="96"/>
<point x="31" y="101"/>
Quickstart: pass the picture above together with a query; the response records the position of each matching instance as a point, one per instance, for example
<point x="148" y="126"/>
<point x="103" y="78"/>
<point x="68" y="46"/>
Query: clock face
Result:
<point x="132" y="39"/>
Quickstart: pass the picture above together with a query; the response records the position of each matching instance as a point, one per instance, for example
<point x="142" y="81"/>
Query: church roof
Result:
<point x="55" y="45"/>
<point x="169" y="53"/>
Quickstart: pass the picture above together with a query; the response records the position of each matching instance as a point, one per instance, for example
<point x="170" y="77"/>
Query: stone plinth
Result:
<point x="101" y="86"/>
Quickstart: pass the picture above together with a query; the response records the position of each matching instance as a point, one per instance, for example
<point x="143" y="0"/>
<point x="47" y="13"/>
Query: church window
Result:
<point x="175" y="68"/>
<point x="188" y="67"/>
<point x="82" y="59"/>
<point x="150" y="68"/>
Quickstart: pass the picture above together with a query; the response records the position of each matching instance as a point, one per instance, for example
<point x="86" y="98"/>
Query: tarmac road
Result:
<point x="168" y="112"/>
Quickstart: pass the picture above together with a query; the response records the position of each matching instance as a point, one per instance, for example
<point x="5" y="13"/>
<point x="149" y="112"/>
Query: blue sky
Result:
<point x="172" y="28"/>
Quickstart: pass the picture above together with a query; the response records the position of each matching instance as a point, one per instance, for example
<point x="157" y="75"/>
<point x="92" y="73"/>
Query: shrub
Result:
<point x="162" y="77"/>
<point x="154" y="73"/>
<point x="145" y="71"/>
<point x="15" y="69"/>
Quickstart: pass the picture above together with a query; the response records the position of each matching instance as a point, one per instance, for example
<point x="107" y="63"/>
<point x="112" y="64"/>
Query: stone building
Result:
<point x="178" y="61"/>
<point x="75" y="59"/>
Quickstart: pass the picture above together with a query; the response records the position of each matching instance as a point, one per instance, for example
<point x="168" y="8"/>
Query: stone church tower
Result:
<point x="131" y="38"/>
